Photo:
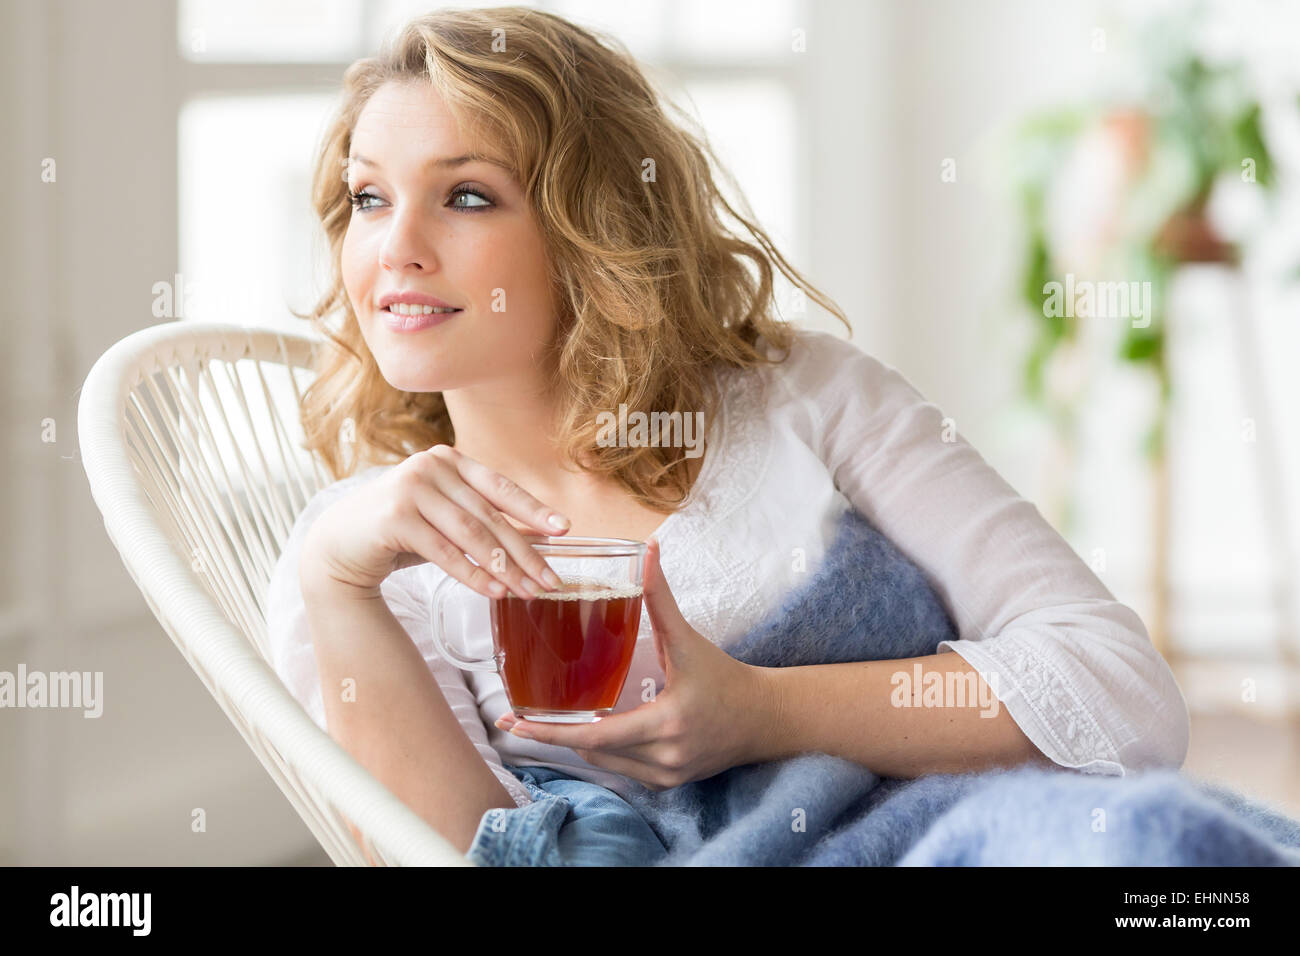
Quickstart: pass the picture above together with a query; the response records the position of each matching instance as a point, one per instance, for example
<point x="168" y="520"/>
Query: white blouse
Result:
<point x="792" y="447"/>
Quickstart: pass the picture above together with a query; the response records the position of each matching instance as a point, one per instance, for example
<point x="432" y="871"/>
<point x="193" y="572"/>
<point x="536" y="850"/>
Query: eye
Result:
<point x="358" y="199"/>
<point x="462" y="191"/>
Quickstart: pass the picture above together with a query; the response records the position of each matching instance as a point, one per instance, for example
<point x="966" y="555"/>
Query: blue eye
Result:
<point x="356" y="199"/>
<point x="467" y="191"/>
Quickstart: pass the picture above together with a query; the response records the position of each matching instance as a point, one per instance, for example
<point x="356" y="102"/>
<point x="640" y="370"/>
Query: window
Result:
<point x="263" y="78"/>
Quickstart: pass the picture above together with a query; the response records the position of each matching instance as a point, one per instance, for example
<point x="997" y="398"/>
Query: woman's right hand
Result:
<point x="438" y="506"/>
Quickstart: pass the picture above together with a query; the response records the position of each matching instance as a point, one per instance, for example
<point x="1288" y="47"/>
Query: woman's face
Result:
<point x="431" y="223"/>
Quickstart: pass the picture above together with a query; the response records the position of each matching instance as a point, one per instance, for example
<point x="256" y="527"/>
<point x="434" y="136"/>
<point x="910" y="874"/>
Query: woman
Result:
<point x="523" y="240"/>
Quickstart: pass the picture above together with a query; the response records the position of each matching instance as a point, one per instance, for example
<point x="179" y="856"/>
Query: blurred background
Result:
<point x="1075" y="227"/>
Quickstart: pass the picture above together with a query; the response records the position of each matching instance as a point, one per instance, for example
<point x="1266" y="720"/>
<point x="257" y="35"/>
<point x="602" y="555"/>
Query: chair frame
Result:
<point x="213" y="618"/>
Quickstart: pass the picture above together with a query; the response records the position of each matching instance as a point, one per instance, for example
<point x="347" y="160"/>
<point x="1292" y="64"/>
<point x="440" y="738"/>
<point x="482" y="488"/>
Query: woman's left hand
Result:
<point x="714" y="712"/>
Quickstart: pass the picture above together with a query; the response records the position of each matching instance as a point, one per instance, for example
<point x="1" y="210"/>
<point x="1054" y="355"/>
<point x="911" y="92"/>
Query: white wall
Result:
<point x="921" y="267"/>
<point x="90" y="84"/>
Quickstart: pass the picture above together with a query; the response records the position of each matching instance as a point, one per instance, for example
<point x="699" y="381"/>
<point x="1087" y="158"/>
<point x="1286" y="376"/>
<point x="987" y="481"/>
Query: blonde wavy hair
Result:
<point x="654" y="291"/>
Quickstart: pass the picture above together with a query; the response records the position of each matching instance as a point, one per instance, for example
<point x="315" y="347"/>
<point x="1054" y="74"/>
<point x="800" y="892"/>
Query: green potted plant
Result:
<point x="1150" y="166"/>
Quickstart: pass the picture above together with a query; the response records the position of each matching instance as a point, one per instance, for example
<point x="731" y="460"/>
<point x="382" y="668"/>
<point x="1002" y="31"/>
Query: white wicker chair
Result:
<point x="188" y="434"/>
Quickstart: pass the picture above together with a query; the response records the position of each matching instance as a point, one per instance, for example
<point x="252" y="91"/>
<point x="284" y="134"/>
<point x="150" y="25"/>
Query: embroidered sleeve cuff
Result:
<point x="1041" y="701"/>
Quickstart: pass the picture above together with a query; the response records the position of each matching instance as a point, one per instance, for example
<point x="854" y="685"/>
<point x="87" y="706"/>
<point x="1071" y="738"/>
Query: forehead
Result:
<point x="409" y="122"/>
<point x="411" y="119"/>
<point x="407" y="113"/>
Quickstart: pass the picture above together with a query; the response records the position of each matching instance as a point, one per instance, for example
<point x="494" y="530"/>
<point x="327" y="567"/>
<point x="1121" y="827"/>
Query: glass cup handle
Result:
<point x="439" y="631"/>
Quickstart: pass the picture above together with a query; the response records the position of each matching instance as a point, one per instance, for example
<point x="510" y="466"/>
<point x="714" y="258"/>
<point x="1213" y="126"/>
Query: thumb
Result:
<point x="666" y="620"/>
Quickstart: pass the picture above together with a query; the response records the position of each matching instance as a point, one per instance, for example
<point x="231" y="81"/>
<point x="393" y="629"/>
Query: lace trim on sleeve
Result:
<point x="1074" y="737"/>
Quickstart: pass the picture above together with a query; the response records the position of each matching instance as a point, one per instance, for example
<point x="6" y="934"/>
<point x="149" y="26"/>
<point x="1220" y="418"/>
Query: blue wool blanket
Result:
<point x="819" y="810"/>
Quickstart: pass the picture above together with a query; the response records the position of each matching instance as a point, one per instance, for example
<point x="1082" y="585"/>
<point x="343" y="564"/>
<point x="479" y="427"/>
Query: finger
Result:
<point x="661" y="607"/>
<point x="660" y="603"/>
<point x="518" y="559"/>
<point x="433" y="546"/>
<point x="472" y="538"/>
<point x="468" y="490"/>
<point x="647" y="772"/>
<point x="449" y="504"/>
<point x="504" y="493"/>
<point x="621" y="732"/>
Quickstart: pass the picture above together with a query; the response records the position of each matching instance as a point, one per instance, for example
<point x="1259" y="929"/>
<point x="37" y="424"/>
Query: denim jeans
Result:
<point x="570" y="822"/>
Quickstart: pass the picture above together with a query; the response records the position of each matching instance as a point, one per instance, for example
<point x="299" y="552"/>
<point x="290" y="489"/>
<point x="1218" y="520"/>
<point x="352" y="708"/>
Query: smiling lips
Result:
<point x="414" y="318"/>
<point x="414" y="311"/>
<point x="412" y="297"/>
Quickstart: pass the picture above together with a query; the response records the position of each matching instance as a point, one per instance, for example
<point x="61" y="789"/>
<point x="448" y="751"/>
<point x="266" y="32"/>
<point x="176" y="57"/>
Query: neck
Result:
<point x="507" y="425"/>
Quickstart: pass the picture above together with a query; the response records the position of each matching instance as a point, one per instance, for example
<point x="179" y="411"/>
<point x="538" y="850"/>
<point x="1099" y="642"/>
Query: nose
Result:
<point x="407" y="243"/>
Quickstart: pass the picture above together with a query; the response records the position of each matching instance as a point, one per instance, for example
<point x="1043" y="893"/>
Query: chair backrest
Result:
<point x="209" y="418"/>
<point x="190" y="437"/>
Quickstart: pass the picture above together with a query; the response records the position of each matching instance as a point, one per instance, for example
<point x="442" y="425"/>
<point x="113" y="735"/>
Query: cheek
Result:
<point x="358" y="279"/>
<point x="352" y="265"/>
<point x="512" y="271"/>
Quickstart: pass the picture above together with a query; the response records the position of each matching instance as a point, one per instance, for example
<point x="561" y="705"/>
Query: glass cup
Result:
<point x="563" y="655"/>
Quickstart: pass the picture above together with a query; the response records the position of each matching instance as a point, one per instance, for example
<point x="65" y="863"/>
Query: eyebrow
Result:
<point x="447" y="162"/>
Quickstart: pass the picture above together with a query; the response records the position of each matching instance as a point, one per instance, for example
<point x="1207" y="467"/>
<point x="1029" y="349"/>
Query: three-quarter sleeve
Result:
<point x="1074" y="667"/>
<point x="293" y="656"/>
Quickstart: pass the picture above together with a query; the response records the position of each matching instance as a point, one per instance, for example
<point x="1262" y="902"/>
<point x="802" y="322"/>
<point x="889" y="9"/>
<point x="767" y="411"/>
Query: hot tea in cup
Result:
<point x="567" y="651"/>
<point x="563" y="655"/>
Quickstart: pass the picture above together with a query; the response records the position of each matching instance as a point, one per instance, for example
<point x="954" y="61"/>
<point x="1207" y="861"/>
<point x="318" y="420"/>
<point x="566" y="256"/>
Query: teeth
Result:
<point x="402" y="308"/>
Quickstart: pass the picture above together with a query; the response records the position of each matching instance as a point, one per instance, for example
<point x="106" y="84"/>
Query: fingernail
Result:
<point x="532" y="589"/>
<point x="519" y="730"/>
<point x="551" y="578"/>
<point x="497" y="588"/>
<point x="559" y="522"/>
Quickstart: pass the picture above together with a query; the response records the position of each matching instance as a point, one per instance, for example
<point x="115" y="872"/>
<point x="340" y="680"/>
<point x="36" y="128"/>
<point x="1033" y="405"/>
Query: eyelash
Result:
<point x="355" y="198"/>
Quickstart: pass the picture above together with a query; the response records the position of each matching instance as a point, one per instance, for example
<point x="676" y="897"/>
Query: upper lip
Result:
<point x="413" y="298"/>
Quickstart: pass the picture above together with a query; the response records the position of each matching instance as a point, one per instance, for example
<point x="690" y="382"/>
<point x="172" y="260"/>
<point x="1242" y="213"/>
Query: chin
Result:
<point x="406" y="371"/>
<point x="409" y="369"/>
<point x="406" y="380"/>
